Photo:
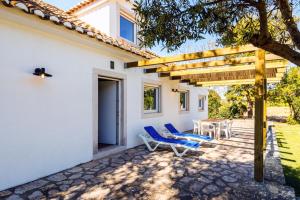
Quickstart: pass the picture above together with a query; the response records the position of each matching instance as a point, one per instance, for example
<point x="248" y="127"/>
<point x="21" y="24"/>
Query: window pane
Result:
<point x="201" y="103"/>
<point x="126" y="29"/>
<point x="151" y="98"/>
<point x="183" y="101"/>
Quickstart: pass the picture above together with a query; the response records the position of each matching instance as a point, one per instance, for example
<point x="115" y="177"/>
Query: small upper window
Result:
<point x="151" y="99"/>
<point x="201" y="101"/>
<point x="126" y="29"/>
<point x="184" y="98"/>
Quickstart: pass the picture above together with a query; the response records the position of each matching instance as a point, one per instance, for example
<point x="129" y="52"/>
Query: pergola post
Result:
<point x="260" y="76"/>
<point x="265" y="114"/>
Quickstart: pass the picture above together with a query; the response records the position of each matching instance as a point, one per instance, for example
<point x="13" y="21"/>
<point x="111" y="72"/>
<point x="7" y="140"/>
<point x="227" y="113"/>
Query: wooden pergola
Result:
<point x="227" y="66"/>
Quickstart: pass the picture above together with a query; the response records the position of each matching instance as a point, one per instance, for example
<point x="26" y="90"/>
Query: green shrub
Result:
<point x="214" y="103"/>
<point x="224" y="111"/>
<point x="290" y="120"/>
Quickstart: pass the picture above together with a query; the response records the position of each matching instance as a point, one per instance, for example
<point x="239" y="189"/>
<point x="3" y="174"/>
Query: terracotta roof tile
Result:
<point x="49" y="12"/>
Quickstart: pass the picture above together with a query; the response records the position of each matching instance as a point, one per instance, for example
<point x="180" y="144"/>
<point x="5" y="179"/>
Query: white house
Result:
<point x="91" y="106"/>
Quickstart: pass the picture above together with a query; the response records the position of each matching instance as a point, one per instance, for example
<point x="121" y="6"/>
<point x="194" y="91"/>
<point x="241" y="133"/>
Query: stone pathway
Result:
<point x="221" y="170"/>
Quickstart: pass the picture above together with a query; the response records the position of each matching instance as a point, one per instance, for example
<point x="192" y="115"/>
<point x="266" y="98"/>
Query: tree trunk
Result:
<point x="250" y="110"/>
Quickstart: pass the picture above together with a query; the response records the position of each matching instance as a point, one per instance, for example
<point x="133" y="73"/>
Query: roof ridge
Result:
<point x="83" y="4"/>
<point x="79" y="5"/>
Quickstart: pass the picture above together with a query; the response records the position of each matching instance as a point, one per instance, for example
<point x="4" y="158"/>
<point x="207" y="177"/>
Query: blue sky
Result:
<point x="65" y="4"/>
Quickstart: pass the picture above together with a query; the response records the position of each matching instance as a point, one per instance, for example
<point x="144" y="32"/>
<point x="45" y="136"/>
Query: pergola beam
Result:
<point x="234" y="82"/>
<point x="276" y="64"/>
<point x="235" y="74"/>
<point x="215" y="63"/>
<point x="192" y="56"/>
<point x="275" y="76"/>
<point x="230" y="83"/>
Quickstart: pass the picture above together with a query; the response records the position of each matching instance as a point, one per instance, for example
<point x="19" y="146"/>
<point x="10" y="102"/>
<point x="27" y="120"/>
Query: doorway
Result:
<point x="109" y="107"/>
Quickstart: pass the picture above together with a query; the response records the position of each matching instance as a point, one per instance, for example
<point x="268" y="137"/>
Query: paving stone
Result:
<point x="229" y="179"/>
<point x="186" y="179"/>
<point x="5" y="193"/>
<point x="75" y="176"/>
<point x="163" y="164"/>
<point x="220" y="183"/>
<point x="14" y="197"/>
<point x="241" y="170"/>
<point x="75" y="170"/>
<point x="48" y="187"/>
<point x="90" y="172"/>
<point x="192" y="172"/>
<point x="66" y="182"/>
<point x="64" y="187"/>
<point x="196" y="187"/>
<point x="57" y="177"/>
<point x="30" y="186"/>
<point x="36" y="195"/>
<point x="118" y="161"/>
<point x="210" y="189"/>
<point x="53" y="193"/>
<point x="78" y="182"/>
<point x="225" y="172"/>
<point x="204" y="179"/>
<point x="234" y="185"/>
<point x="70" y="196"/>
<point x="87" y="177"/>
<point x="90" y="165"/>
<point x="232" y="165"/>
<point x="224" y="166"/>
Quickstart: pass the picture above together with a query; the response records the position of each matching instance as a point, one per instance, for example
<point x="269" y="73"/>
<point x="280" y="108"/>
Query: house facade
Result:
<point x="92" y="106"/>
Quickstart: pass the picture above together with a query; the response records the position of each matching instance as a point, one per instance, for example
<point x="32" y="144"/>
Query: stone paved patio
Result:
<point x="221" y="170"/>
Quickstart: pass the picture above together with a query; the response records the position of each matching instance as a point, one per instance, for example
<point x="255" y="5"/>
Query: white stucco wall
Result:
<point x="105" y="15"/>
<point x="99" y="17"/>
<point x="46" y="124"/>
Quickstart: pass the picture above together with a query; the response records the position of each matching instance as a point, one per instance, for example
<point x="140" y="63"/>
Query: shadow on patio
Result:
<point x="219" y="170"/>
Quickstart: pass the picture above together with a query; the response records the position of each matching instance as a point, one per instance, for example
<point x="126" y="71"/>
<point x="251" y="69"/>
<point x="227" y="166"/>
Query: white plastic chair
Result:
<point x="208" y="128"/>
<point x="225" y="128"/>
<point x="197" y="126"/>
<point x="229" y="127"/>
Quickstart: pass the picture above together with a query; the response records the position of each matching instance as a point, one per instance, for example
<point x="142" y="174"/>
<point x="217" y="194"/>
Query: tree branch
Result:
<point x="263" y="20"/>
<point x="289" y="21"/>
<point x="277" y="48"/>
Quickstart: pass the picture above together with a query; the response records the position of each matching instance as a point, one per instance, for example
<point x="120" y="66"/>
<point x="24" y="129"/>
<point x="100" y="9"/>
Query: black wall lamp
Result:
<point x="175" y="90"/>
<point x="41" y="72"/>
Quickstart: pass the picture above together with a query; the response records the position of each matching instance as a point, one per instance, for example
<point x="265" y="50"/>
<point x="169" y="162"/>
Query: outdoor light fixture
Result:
<point x="175" y="90"/>
<point x="41" y="72"/>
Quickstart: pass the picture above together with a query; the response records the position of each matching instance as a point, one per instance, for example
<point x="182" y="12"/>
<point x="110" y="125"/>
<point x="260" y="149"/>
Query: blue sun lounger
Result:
<point x="155" y="137"/>
<point x="176" y="133"/>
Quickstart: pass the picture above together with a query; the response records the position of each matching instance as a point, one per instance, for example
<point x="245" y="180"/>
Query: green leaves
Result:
<point x="171" y="23"/>
<point x="214" y="104"/>
<point x="288" y="91"/>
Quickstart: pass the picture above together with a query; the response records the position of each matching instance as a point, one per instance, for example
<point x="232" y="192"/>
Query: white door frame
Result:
<point x="98" y="73"/>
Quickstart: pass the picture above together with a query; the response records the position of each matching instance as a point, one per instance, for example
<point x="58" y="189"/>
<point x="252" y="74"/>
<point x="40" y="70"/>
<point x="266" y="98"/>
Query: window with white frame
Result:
<point x="201" y="102"/>
<point x="151" y="98"/>
<point x="184" y="100"/>
<point x="127" y="29"/>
